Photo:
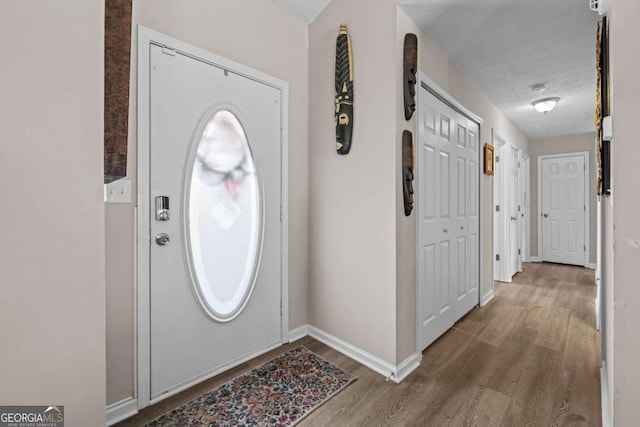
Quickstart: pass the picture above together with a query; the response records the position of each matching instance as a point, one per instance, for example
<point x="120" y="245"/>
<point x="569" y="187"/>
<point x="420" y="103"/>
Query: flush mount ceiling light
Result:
<point x="545" y="105"/>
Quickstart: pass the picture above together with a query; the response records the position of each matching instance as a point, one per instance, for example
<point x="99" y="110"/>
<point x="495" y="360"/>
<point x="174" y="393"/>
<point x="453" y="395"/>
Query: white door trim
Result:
<point x="500" y="245"/>
<point x="526" y="208"/>
<point x="443" y="95"/>
<point x="586" y="199"/>
<point x="146" y="37"/>
<point x="520" y="203"/>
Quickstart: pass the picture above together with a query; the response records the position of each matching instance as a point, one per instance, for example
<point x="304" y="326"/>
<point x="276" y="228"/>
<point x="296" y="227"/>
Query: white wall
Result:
<point x="450" y="77"/>
<point x="568" y="144"/>
<point x="52" y="275"/>
<point x="352" y="198"/>
<point x="259" y="35"/>
<point x="625" y="96"/>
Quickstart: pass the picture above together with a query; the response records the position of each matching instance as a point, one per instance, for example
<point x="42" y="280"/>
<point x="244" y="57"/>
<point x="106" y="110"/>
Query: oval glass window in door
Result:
<point x="224" y="213"/>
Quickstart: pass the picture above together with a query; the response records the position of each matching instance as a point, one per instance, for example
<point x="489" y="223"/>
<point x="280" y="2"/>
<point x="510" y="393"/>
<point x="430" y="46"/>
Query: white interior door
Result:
<point x="563" y="209"/>
<point x="215" y="260"/>
<point x="448" y="207"/>
<point x="514" y="211"/>
<point x="501" y="222"/>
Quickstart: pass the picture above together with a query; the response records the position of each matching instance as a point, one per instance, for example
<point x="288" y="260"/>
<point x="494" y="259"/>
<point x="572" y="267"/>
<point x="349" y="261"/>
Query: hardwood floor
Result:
<point x="530" y="357"/>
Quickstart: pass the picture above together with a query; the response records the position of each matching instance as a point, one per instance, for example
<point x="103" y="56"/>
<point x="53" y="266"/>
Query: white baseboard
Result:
<point x="535" y="259"/>
<point x="592" y="265"/>
<point x="386" y="369"/>
<point x="604" y="393"/>
<point x="487" y="297"/>
<point x="121" y="410"/>
<point x="298" y="333"/>
<point x="409" y="365"/>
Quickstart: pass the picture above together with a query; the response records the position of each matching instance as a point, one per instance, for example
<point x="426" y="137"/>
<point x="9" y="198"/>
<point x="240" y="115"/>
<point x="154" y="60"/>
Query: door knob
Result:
<point x="545" y="215"/>
<point x="513" y="218"/>
<point x="162" y="239"/>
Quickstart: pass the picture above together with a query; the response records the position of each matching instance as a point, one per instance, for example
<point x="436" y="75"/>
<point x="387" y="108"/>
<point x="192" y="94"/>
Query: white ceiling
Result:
<point x="507" y="46"/>
<point x="305" y="10"/>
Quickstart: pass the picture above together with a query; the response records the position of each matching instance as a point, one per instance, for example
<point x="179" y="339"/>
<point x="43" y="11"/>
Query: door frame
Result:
<point x="428" y="84"/>
<point x="500" y="242"/>
<point x="526" y="208"/>
<point x="147" y="37"/>
<point x="586" y="200"/>
<point x="519" y="202"/>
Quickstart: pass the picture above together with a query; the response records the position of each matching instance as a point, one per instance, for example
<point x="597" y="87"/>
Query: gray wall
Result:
<point x="363" y="248"/>
<point x="625" y="86"/>
<point x="569" y="144"/>
<point x="259" y="35"/>
<point x="352" y="204"/>
<point x="52" y="275"/>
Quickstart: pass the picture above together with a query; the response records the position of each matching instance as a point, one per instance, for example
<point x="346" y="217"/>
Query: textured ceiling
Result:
<point x="305" y="10"/>
<point x="507" y="46"/>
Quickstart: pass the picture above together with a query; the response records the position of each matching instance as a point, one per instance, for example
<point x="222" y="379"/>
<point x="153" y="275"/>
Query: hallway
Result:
<point x="529" y="357"/>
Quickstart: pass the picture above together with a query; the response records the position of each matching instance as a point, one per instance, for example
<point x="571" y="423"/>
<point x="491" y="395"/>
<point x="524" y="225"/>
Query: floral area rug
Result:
<point x="279" y="393"/>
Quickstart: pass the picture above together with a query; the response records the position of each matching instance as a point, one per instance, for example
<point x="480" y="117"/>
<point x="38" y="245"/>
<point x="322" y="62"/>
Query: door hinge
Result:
<point x="518" y="164"/>
<point x="497" y="159"/>
<point x="585" y="207"/>
<point x="519" y="252"/>
<point x="518" y="208"/>
<point x="584" y="248"/>
<point x="497" y="257"/>
<point x="168" y="51"/>
<point x="497" y="208"/>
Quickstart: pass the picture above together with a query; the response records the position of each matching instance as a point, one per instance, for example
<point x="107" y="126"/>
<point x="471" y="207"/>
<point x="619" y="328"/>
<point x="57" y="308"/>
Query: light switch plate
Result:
<point x="118" y="191"/>
<point x="607" y="128"/>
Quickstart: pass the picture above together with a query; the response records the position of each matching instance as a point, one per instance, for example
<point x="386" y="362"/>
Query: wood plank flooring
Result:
<point x="531" y="357"/>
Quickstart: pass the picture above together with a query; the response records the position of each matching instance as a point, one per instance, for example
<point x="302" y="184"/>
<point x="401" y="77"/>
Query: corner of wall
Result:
<point x="352" y="225"/>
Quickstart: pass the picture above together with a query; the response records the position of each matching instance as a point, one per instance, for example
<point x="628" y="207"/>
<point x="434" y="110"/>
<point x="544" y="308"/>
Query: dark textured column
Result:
<point x="117" y="53"/>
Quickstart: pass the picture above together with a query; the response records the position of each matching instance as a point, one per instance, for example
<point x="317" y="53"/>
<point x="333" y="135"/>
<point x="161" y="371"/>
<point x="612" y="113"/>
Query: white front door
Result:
<point x="514" y="211"/>
<point x="448" y="206"/>
<point x="215" y="230"/>
<point x="563" y="209"/>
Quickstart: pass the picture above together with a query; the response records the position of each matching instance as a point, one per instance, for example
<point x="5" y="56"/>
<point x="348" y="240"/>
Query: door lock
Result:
<point x="162" y="239"/>
<point x="162" y="208"/>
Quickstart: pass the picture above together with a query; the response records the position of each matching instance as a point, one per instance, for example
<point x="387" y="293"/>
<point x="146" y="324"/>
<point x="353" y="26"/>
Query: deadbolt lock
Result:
<point x="162" y="208"/>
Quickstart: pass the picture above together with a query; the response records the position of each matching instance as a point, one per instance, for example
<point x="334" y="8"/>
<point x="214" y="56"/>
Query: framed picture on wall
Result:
<point x="489" y="159"/>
